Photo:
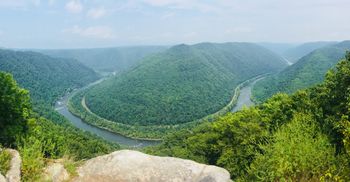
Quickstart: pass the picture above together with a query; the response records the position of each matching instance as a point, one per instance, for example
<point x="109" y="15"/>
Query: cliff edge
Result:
<point x="130" y="166"/>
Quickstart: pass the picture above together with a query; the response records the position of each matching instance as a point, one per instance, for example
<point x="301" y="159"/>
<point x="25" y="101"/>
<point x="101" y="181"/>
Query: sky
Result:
<point x="51" y="24"/>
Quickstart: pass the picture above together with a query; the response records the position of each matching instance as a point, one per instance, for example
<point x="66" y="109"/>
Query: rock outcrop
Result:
<point x="14" y="174"/>
<point x="2" y="178"/>
<point x="56" y="173"/>
<point x="133" y="166"/>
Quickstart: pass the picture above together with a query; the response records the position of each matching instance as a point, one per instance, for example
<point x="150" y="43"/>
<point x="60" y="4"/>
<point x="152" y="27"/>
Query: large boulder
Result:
<point x="2" y="178"/>
<point x="131" y="166"/>
<point x="56" y="172"/>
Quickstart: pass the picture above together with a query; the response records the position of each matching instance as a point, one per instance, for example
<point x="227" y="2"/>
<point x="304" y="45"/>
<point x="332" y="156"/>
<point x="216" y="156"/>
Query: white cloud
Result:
<point x="97" y="32"/>
<point x="36" y="2"/>
<point x="96" y="13"/>
<point x="51" y="2"/>
<point x="19" y="4"/>
<point x="74" y="6"/>
<point x="168" y="15"/>
<point x="238" y="30"/>
<point x="183" y="4"/>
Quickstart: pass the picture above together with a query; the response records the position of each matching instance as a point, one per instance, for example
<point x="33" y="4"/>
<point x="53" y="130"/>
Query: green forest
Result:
<point x="300" y="137"/>
<point x="174" y="91"/>
<point x="45" y="77"/>
<point x="308" y="71"/>
<point x="36" y="138"/>
<point x="181" y="84"/>
<point x="303" y="136"/>
<point x="295" y="53"/>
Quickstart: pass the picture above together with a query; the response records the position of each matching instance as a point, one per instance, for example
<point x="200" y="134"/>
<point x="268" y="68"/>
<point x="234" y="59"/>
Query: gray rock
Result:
<point x="14" y="174"/>
<point x="2" y="178"/>
<point x="56" y="173"/>
<point x="133" y="166"/>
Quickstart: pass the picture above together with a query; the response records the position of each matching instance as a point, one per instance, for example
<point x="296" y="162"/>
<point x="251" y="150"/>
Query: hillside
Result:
<point x="299" y="137"/>
<point x="181" y="84"/>
<point x="295" y="53"/>
<point x="45" y="77"/>
<point x="308" y="71"/>
<point x="39" y="140"/>
<point x="107" y="59"/>
<point x="278" y="48"/>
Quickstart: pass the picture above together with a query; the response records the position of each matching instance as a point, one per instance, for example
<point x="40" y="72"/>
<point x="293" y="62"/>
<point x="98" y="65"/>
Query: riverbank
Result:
<point x="147" y="133"/>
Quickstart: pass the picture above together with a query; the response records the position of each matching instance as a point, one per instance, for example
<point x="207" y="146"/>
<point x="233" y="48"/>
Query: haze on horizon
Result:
<point x="106" y="23"/>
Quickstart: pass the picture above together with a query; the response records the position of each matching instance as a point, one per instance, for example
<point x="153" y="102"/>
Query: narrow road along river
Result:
<point x="61" y="107"/>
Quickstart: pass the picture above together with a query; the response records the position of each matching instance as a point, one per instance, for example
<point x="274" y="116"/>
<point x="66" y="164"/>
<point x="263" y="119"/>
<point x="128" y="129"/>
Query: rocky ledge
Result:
<point x="131" y="166"/>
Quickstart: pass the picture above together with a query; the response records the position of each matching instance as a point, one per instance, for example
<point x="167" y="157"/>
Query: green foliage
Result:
<point x="14" y="109"/>
<point x="107" y="59"/>
<point x="298" y="151"/>
<point x="180" y="85"/>
<point x="45" y="77"/>
<point x="37" y="137"/>
<point x="302" y="137"/>
<point x="295" y="53"/>
<point x="78" y="107"/>
<point x="5" y="160"/>
<point x="308" y="71"/>
<point x="45" y="139"/>
<point x="31" y="151"/>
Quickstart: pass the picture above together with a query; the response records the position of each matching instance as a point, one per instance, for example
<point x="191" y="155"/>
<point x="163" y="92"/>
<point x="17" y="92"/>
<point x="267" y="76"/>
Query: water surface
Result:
<point x="61" y="107"/>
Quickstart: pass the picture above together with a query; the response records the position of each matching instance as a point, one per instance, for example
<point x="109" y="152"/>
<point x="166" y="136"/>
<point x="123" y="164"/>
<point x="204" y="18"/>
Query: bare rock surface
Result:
<point x="133" y="166"/>
<point x="14" y="174"/>
<point x="2" y="178"/>
<point x="56" y="172"/>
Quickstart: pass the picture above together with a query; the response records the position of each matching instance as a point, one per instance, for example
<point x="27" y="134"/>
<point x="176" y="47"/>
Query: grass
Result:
<point x="5" y="160"/>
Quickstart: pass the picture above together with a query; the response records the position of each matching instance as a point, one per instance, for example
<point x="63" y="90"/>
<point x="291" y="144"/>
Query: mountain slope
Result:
<point x="181" y="84"/>
<point x="308" y="71"/>
<point x="107" y="59"/>
<point x="297" y="137"/>
<point x="295" y="53"/>
<point x="45" y="77"/>
<point x="278" y="48"/>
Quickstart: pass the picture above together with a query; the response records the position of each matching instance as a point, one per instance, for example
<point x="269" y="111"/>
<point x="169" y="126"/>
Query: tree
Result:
<point x="14" y="109"/>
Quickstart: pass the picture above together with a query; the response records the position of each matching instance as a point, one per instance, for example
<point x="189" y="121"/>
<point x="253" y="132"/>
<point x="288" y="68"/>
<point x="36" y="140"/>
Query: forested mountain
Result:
<point x="295" y="53"/>
<point x="107" y="59"/>
<point x="278" y="48"/>
<point x="45" y="77"/>
<point x="301" y="137"/>
<point x="308" y="71"/>
<point x="38" y="139"/>
<point x="181" y="84"/>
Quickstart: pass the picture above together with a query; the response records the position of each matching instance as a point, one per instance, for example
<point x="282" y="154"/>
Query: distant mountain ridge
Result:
<point x="107" y="59"/>
<point x="308" y="71"/>
<point x="181" y="84"/>
<point x="295" y="53"/>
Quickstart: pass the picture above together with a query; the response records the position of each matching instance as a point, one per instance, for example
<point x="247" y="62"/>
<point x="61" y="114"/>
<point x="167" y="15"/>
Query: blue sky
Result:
<point x="105" y="23"/>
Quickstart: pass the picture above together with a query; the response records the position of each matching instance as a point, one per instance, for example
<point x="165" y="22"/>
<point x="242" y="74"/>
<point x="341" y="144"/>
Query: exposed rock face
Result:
<point x="56" y="173"/>
<point x="133" y="166"/>
<point x="14" y="174"/>
<point x="2" y="178"/>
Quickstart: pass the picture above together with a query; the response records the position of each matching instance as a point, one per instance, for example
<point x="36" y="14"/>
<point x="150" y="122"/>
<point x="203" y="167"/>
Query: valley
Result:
<point x="174" y="91"/>
<point x="127" y="142"/>
<point x="243" y="98"/>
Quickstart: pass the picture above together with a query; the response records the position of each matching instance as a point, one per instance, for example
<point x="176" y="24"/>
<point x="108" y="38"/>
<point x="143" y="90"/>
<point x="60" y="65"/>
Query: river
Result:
<point x="245" y="95"/>
<point x="61" y="107"/>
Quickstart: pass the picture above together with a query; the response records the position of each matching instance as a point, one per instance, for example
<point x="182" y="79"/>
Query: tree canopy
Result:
<point x="301" y="137"/>
<point x="180" y="85"/>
